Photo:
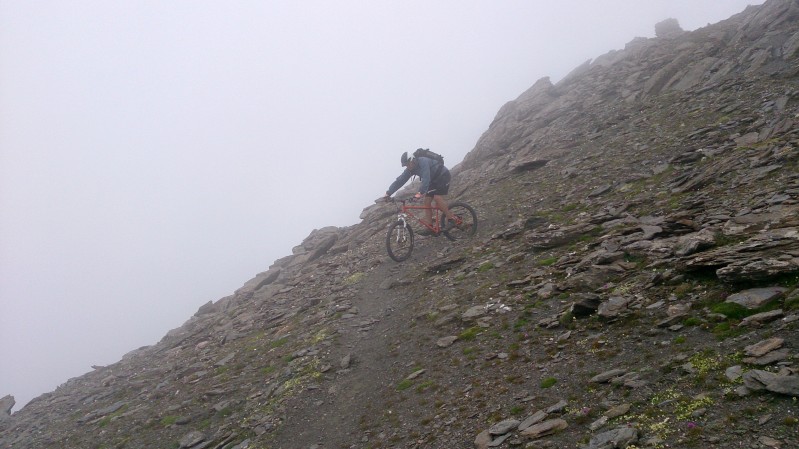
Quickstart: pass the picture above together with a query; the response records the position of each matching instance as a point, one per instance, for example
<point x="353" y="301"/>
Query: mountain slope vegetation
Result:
<point x="633" y="282"/>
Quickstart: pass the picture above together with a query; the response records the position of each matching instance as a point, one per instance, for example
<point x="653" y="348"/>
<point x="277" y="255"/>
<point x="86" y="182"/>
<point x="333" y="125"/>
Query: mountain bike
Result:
<point x="399" y="240"/>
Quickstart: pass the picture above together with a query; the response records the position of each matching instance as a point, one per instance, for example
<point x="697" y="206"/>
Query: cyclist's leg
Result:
<point x="441" y="203"/>
<point x="428" y="213"/>
<point x="441" y="189"/>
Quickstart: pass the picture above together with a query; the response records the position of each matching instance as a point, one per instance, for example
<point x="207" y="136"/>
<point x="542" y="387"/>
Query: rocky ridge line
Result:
<point x="633" y="283"/>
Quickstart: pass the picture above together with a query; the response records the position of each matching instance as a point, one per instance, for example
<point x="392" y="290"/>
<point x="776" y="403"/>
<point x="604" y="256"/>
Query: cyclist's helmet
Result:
<point x="406" y="159"/>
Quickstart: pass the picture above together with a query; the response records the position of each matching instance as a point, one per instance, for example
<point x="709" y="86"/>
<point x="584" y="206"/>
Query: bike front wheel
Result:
<point x="399" y="241"/>
<point x="465" y="224"/>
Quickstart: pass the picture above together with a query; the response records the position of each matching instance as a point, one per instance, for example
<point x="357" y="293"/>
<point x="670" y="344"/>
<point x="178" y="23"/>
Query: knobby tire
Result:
<point x="468" y="224"/>
<point x="399" y="241"/>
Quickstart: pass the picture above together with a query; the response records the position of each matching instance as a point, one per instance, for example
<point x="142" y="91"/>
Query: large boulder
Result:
<point x="6" y="404"/>
<point x="260" y="280"/>
<point x="668" y="28"/>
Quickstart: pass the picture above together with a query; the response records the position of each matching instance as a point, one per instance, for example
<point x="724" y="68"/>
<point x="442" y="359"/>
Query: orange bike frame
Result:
<point x="435" y="226"/>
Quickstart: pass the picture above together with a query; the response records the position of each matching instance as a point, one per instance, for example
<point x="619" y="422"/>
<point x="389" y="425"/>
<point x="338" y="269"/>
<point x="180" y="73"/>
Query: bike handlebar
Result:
<point x="391" y="199"/>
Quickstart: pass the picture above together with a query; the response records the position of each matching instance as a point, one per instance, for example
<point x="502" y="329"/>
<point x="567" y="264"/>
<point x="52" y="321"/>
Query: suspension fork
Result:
<point x="402" y="218"/>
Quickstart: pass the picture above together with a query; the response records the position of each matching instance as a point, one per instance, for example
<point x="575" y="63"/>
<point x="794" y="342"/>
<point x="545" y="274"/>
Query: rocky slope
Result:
<point x="633" y="283"/>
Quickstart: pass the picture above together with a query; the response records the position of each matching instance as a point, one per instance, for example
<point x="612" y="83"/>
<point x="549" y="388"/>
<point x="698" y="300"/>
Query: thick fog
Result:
<point x="155" y="155"/>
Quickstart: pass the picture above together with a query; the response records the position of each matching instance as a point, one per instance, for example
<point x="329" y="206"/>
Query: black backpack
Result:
<point x="424" y="152"/>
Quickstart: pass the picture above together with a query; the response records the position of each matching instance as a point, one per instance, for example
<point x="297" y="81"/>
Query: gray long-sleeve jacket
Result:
<point x="425" y="169"/>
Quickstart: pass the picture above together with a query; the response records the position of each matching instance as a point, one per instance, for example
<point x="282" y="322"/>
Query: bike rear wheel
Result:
<point x="465" y="221"/>
<point x="399" y="241"/>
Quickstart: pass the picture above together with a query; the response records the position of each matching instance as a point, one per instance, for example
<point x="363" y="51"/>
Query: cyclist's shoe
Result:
<point x="449" y="225"/>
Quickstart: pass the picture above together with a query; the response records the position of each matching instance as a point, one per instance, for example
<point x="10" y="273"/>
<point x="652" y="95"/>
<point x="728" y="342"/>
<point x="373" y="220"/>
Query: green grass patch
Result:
<point x="591" y="235"/>
<point x="731" y="310"/>
<point x="788" y="280"/>
<point x="720" y="239"/>
<point x="169" y="420"/>
<point x="547" y="261"/>
<point x="404" y="384"/>
<point x="225" y="412"/>
<point x="635" y="258"/>
<point x="470" y="333"/>
<point x="692" y="321"/>
<point x="738" y="312"/>
<point x="548" y="382"/>
<point x="424" y="386"/>
<point x="354" y="279"/>
<point x="567" y="319"/>
<point x="520" y="324"/>
<point x="725" y="330"/>
<point x="485" y="266"/>
<point x="682" y="290"/>
<point x="279" y="342"/>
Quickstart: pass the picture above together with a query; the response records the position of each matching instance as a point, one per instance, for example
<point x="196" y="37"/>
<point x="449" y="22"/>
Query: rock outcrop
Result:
<point x="6" y="404"/>
<point x="633" y="282"/>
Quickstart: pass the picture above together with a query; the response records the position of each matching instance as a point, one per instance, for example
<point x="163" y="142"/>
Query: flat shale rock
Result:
<point x="756" y="297"/>
<point x="545" y="428"/>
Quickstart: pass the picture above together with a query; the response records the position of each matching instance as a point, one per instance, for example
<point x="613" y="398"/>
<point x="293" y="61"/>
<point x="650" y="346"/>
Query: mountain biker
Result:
<point x="435" y="183"/>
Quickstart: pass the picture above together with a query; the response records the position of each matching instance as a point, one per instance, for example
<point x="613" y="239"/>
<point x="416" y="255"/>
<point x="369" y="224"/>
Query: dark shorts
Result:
<point x="439" y="185"/>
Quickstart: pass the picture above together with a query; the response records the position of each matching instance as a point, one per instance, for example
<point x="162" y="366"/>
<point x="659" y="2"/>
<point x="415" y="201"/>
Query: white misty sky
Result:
<point x="156" y="155"/>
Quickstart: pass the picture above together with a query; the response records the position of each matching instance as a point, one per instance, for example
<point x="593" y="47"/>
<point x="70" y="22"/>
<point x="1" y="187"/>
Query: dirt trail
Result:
<point x="346" y="398"/>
